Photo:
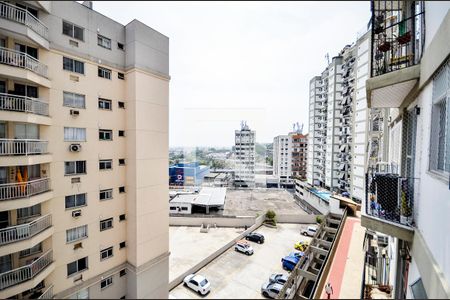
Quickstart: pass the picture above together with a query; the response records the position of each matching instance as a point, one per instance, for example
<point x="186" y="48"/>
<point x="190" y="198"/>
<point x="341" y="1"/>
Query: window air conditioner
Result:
<point x="74" y="112"/>
<point x="76" y="213"/>
<point x="75" y="148"/>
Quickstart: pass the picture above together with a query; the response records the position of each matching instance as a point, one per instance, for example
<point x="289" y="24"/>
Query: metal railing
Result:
<point x="48" y="294"/>
<point x="398" y="35"/>
<point x="24" y="231"/>
<point x="23" y="104"/>
<point x="20" y="15"/>
<point x="22" y="60"/>
<point x="22" y="147"/>
<point x="22" y="274"/>
<point x="16" y="190"/>
<point x="390" y="197"/>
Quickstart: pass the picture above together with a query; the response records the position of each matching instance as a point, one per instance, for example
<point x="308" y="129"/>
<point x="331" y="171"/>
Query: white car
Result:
<point x="273" y="289"/>
<point x="197" y="283"/>
<point x="310" y="231"/>
<point x="244" y="247"/>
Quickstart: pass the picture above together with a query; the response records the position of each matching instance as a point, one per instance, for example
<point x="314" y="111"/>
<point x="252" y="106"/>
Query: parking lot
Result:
<point x="235" y="275"/>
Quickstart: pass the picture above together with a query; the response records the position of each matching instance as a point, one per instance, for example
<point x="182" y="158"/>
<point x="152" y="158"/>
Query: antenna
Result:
<point x="327" y="56"/>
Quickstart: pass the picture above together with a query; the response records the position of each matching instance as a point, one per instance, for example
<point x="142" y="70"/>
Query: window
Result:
<point x="106" y="282"/>
<point x="27" y="212"/>
<point x="122" y="189"/>
<point x="418" y="290"/>
<point x="120" y="46"/>
<point x="121" y="132"/>
<point x="103" y="42"/>
<point x="104" y="73"/>
<point x="121" y="161"/>
<point x="120" y="75"/>
<point x="123" y="272"/>
<point x="440" y="122"/>
<point x="73" y="31"/>
<point x="73" y="134"/>
<point x="122" y="218"/>
<point x="105" y="135"/>
<point x="77" y="200"/>
<point x="121" y="104"/>
<point x="30" y="251"/>
<point x="104" y="104"/>
<point x="105" y="164"/>
<point x="75" y="167"/>
<point x="73" y="65"/>
<point x="106" y="224"/>
<point x="74" y="100"/>
<point x="75" y="234"/>
<point x="106" y="194"/>
<point x="77" y="266"/>
<point x="122" y="245"/>
<point x="106" y="253"/>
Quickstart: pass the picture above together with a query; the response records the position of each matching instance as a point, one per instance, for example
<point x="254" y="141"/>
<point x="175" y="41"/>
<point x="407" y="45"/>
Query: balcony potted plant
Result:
<point x="404" y="38"/>
<point x="405" y="211"/>
<point x="384" y="46"/>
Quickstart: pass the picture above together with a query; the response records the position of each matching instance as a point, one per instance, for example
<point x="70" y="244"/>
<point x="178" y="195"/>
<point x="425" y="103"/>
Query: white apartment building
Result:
<point x="407" y="195"/>
<point x="83" y="154"/>
<point x="282" y="156"/>
<point x="244" y="157"/>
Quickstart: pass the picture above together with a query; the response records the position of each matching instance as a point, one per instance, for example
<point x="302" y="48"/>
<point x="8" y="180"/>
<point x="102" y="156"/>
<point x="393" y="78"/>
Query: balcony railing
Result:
<point x="22" y="60"/>
<point x="398" y="35"/>
<point x="390" y="197"/>
<point x="10" y="191"/>
<point x="22" y="147"/>
<point x="48" y="294"/>
<point x="27" y="272"/>
<point x="23" y="104"/>
<point x="22" y="16"/>
<point x="25" y="231"/>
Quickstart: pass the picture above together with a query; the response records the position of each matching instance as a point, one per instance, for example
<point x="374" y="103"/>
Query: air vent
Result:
<point x="76" y="213"/>
<point x="76" y="180"/>
<point x="78" y="278"/>
<point x="75" y="147"/>
<point x="77" y="246"/>
<point x="73" y="43"/>
<point x="74" y="78"/>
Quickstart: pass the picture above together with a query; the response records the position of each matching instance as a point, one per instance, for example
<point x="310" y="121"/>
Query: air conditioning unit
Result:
<point x="75" y="147"/>
<point x="74" y="112"/>
<point x="76" y="213"/>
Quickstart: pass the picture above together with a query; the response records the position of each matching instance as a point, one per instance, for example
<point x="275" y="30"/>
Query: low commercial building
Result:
<point x="187" y="174"/>
<point x="202" y="201"/>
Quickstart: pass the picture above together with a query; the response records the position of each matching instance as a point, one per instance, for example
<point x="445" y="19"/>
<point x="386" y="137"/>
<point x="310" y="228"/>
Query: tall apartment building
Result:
<point x="84" y="154"/>
<point x="342" y="91"/>
<point x="407" y="196"/>
<point x="244" y="156"/>
<point x="290" y="157"/>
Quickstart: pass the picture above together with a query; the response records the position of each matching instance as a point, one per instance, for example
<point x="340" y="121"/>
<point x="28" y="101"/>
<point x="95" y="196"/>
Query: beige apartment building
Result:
<point x="83" y="154"/>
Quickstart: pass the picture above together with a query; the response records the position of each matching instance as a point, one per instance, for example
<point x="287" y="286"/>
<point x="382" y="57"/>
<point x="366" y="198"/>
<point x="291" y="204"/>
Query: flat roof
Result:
<point x="207" y="196"/>
<point x="324" y="195"/>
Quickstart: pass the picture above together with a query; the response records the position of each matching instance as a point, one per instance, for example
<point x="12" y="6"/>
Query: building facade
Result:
<point x="189" y="174"/>
<point x="407" y="194"/>
<point x="84" y="153"/>
<point x="244" y="157"/>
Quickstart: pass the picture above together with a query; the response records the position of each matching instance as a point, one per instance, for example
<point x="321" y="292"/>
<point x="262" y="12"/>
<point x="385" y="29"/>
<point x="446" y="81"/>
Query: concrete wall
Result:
<point x="297" y="219"/>
<point x="257" y="222"/>
<point x="219" y="221"/>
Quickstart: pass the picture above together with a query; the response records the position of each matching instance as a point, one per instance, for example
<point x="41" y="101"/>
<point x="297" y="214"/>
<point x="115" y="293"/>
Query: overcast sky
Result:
<point x="243" y="61"/>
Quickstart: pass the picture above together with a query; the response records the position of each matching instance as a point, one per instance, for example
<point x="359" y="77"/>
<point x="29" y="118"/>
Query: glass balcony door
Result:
<point x="26" y="131"/>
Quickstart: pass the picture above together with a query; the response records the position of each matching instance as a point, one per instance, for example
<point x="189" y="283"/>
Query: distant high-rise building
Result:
<point x="244" y="156"/>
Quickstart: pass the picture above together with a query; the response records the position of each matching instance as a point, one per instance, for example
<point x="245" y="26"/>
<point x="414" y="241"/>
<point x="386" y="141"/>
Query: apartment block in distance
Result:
<point x="244" y="157"/>
<point x="84" y="154"/>
<point x="406" y="205"/>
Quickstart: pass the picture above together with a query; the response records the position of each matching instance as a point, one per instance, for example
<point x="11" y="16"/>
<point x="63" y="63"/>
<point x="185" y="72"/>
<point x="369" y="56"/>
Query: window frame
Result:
<point x="103" y="39"/>
<point x="73" y="100"/>
<point x="104" y="100"/>
<point x="106" y="221"/>
<point x="120" y="75"/>
<point x="80" y="237"/>
<point x="106" y="250"/>
<point x="72" y="138"/>
<point x="75" y="201"/>
<point x="73" y="30"/>
<point x="73" y="68"/>
<point x="106" y="192"/>
<point x="86" y="260"/>
<point x="102" y="72"/>
<point x="75" y="167"/>
<point x="105" y="162"/>
<point x="105" y="132"/>
<point x="106" y="280"/>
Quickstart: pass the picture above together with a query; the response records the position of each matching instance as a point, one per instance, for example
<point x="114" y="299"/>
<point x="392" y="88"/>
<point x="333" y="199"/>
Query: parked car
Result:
<point x="197" y="283"/>
<point x="244" y="247"/>
<point x="272" y="290"/>
<point x="289" y="262"/>
<point x="310" y="231"/>
<point x="301" y="246"/>
<point x="255" y="237"/>
<point x="297" y="254"/>
<point x="278" y="278"/>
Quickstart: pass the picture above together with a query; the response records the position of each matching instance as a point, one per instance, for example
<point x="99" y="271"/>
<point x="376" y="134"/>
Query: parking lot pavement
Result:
<point x="236" y="275"/>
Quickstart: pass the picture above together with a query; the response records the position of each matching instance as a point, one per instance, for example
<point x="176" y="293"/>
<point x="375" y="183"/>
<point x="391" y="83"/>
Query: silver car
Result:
<point x="278" y="278"/>
<point x="272" y="289"/>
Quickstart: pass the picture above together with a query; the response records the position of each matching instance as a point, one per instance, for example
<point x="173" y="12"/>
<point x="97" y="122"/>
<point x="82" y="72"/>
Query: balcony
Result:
<point x="389" y="205"/>
<point x="24" y="231"/>
<point x="9" y="102"/>
<point x="22" y="60"/>
<point x="22" y="147"/>
<point x="25" y="277"/>
<point x="22" y="22"/>
<point x="47" y="294"/>
<point x="26" y="189"/>
<point x="398" y="35"/>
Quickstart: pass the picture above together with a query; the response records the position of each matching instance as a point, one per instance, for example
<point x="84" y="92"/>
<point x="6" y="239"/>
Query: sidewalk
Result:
<point x="347" y="267"/>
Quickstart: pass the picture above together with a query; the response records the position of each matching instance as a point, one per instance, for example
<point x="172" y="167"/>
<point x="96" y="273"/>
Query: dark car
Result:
<point x="255" y="237"/>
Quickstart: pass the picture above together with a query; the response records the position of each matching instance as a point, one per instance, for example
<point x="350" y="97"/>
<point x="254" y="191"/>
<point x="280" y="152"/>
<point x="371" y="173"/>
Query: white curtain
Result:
<point x="76" y="233"/>
<point x="72" y="134"/>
